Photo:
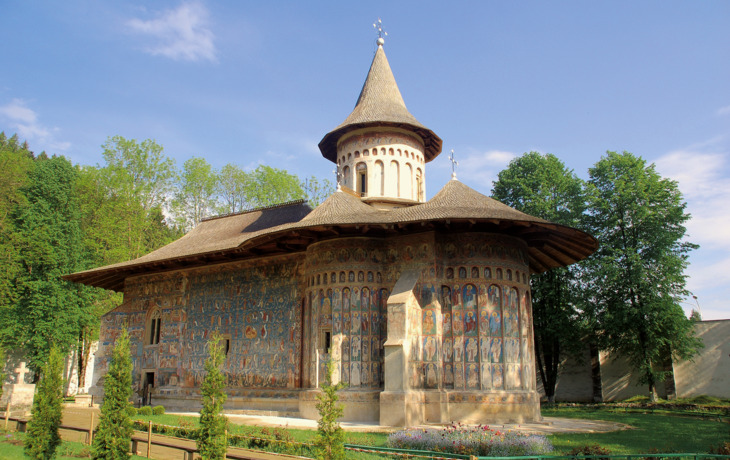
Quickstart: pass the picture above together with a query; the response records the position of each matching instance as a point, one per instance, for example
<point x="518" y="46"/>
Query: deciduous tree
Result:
<point x="636" y="278"/>
<point x="195" y="195"/>
<point x="47" y="310"/>
<point x="231" y="189"/>
<point x="268" y="186"/>
<point x="137" y="180"/>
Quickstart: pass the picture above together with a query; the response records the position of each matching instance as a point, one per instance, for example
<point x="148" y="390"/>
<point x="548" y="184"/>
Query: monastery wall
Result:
<point x="257" y="309"/>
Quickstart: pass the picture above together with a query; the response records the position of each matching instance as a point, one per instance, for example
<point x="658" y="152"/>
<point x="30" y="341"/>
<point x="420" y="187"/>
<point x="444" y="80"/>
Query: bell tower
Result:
<point x="381" y="150"/>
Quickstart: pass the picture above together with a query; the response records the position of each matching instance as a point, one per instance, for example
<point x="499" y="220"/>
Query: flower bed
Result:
<point x="476" y="440"/>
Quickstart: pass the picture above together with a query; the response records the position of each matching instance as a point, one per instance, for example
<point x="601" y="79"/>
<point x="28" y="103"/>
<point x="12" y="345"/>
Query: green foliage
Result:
<point x="145" y="410"/>
<point x="268" y="186"/>
<point x="2" y="370"/>
<point x="48" y="244"/>
<point x="231" y="189"/>
<point x="115" y="426"/>
<point x="15" y="163"/>
<point x="329" y="444"/>
<point x="636" y="278"/>
<point x="134" y="185"/>
<point x="315" y="191"/>
<point x="158" y="410"/>
<point x="195" y="194"/>
<point x="212" y="441"/>
<point x="43" y="437"/>
<point x="541" y="185"/>
<point x="591" y="449"/>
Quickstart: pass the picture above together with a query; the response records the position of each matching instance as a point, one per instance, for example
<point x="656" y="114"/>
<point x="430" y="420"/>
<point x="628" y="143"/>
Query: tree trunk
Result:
<point x="596" y="372"/>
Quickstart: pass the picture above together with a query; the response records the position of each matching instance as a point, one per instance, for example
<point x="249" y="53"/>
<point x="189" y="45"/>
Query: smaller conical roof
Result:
<point x="380" y="104"/>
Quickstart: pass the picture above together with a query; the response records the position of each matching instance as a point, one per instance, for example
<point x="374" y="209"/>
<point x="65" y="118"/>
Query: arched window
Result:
<point x="395" y="173"/>
<point x="362" y="178"/>
<point x="409" y="181"/>
<point x="154" y="325"/>
<point x="379" y="178"/>
<point x="346" y="176"/>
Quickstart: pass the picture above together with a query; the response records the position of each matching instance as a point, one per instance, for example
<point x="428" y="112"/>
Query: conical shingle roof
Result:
<point x="380" y="104"/>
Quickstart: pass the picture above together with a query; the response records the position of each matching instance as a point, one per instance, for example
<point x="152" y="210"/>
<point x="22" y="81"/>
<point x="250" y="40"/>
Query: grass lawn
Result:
<point x="665" y="433"/>
<point x="662" y="432"/>
<point x="11" y="448"/>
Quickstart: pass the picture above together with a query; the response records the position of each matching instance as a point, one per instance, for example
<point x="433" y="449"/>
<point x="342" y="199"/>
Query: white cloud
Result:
<point x="704" y="179"/>
<point x="24" y="121"/>
<point x="724" y="110"/>
<point x="182" y="33"/>
<point x="703" y="174"/>
<point x="483" y="165"/>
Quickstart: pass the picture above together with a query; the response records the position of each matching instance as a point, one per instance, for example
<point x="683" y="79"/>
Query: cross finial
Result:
<point x="454" y="163"/>
<point x="381" y="32"/>
<point x="21" y="371"/>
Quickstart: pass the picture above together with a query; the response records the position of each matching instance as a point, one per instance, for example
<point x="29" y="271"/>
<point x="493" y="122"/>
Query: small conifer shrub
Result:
<point x="114" y="433"/>
<point x="329" y="444"/>
<point x="145" y="410"/>
<point x="43" y="437"/>
<point x="212" y="441"/>
<point x="158" y="410"/>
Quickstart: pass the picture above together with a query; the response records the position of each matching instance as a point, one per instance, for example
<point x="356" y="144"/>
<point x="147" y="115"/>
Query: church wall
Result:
<point x="256" y="307"/>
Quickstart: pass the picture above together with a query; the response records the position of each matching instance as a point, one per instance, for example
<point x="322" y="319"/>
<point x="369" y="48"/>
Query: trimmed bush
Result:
<point x="145" y="410"/>
<point x="43" y="437"/>
<point x="115" y="426"/>
<point x="212" y="440"/>
<point x="592" y="450"/>
<point x="158" y="410"/>
<point x="329" y="444"/>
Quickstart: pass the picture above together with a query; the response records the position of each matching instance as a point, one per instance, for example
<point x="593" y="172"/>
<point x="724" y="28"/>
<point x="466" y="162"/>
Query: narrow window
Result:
<point x="153" y="328"/>
<point x="362" y="178"/>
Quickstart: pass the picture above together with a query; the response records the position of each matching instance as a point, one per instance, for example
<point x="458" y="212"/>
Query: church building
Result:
<point x="422" y="306"/>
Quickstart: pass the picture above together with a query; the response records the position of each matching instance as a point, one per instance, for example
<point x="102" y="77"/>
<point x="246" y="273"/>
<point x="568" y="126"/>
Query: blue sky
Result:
<point x="262" y="82"/>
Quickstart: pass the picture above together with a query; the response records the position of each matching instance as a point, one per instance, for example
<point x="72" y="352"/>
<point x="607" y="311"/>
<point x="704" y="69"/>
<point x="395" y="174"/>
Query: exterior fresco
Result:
<point x="257" y="309"/>
<point x="469" y="331"/>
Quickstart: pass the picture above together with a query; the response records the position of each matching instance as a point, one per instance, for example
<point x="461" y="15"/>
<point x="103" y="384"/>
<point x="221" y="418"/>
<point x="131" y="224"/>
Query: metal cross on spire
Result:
<point x="454" y="164"/>
<point x="381" y="32"/>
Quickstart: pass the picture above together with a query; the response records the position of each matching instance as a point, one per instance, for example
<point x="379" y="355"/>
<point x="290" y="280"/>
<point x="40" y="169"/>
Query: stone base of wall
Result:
<point x="359" y="405"/>
<point x="264" y="402"/>
<point x="446" y="406"/>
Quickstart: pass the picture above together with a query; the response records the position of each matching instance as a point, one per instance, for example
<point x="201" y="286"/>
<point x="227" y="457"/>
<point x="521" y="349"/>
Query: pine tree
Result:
<point x="43" y="437"/>
<point x="330" y="441"/>
<point x="115" y="426"/>
<point x="212" y="440"/>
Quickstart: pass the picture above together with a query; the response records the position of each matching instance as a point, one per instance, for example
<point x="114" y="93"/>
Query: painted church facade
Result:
<point x="422" y="306"/>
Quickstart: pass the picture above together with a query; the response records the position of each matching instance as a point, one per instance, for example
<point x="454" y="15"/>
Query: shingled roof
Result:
<point x="380" y="104"/>
<point x="211" y="240"/>
<point x="292" y="227"/>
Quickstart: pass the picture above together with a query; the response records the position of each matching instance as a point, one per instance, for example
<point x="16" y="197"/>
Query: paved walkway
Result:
<point x="549" y="425"/>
